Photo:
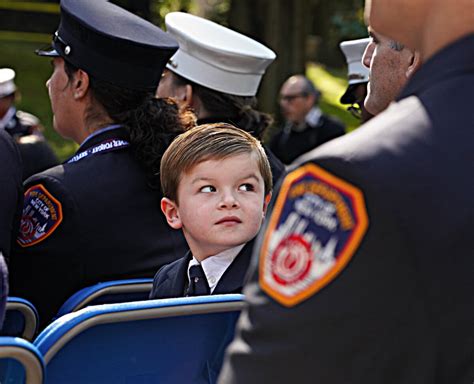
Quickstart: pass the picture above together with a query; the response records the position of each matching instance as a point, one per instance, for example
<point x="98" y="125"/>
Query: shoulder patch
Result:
<point x="316" y="225"/>
<point x="42" y="214"/>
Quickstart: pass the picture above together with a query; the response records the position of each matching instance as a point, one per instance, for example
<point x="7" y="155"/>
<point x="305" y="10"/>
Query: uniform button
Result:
<point x="212" y="280"/>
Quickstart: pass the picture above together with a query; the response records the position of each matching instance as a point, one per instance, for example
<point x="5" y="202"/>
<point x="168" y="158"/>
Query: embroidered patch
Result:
<point x="42" y="214"/>
<point x="316" y="226"/>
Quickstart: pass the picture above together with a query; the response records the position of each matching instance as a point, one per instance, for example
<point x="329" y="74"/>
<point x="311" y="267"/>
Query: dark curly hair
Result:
<point x="240" y="110"/>
<point x="152" y="123"/>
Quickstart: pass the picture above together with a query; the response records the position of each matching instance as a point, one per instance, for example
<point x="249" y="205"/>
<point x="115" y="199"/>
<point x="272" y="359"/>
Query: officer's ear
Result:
<point x="80" y="84"/>
<point x="268" y="197"/>
<point x="170" y="209"/>
<point x="414" y="64"/>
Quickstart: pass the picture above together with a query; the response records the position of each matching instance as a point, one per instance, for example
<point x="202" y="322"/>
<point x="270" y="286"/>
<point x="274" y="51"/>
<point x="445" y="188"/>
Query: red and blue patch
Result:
<point x="42" y="213"/>
<point x="317" y="224"/>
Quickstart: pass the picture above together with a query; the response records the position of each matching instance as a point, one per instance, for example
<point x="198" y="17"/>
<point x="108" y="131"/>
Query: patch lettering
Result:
<point x="42" y="214"/>
<point x="316" y="225"/>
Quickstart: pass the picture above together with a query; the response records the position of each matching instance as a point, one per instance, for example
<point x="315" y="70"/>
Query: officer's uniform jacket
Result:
<point x="89" y="220"/>
<point x="36" y="153"/>
<point x="365" y="270"/>
<point x="172" y="279"/>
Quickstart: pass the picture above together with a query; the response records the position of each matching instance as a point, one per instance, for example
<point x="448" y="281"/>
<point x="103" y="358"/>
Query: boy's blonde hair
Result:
<point x="208" y="142"/>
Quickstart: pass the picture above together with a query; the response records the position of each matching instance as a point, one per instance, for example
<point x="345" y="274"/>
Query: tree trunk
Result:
<point x="281" y="25"/>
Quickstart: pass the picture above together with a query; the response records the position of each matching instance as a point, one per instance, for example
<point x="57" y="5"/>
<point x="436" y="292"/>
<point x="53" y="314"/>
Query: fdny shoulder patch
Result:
<point x="42" y="214"/>
<point x="316" y="226"/>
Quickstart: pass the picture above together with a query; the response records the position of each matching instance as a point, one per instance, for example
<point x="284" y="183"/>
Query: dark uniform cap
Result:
<point x="111" y="44"/>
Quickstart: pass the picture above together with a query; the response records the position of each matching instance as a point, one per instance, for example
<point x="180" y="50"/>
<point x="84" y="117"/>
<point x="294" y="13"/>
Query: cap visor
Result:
<point x="47" y="51"/>
<point x="348" y="96"/>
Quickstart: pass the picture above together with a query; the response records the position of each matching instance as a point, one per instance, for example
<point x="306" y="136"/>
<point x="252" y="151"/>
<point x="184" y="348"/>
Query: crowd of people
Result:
<point x="357" y="267"/>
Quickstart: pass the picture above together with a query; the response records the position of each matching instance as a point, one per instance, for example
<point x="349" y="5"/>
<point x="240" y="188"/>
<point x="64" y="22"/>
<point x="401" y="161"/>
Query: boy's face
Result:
<point x="221" y="204"/>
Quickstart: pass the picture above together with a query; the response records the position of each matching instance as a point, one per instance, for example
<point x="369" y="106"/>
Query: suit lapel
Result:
<point x="232" y="280"/>
<point x="176" y="278"/>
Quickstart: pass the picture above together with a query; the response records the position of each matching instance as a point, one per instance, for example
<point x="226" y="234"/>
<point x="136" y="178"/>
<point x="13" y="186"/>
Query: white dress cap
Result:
<point x="216" y="57"/>
<point x="7" y="86"/>
<point x="354" y="51"/>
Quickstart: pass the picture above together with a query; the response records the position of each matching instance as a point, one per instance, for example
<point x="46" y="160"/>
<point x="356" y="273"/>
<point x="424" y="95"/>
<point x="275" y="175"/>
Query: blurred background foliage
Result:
<point x="305" y="34"/>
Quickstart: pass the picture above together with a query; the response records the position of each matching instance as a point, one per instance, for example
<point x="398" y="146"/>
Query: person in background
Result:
<point x="358" y="77"/>
<point x="97" y="216"/>
<point x="391" y="64"/>
<point x="217" y="72"/>
<point x="11" y="200"/>
<point x="364" y="270"/>
<point x="216" y="183"/>
<point x="305" y="127"/>
<point x="25" y="128"/>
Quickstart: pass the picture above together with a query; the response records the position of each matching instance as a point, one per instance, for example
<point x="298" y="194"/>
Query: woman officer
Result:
<point x="216" y="72"/>
<point x="97" y="216"/>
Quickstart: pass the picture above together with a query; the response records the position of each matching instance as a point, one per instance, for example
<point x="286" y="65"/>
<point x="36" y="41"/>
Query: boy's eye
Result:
<point x="207" y="189"/>
<point x="246" y="187"/>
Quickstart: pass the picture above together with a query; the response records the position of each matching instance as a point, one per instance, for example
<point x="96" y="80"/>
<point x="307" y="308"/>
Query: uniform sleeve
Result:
<point x="47" y="242"/>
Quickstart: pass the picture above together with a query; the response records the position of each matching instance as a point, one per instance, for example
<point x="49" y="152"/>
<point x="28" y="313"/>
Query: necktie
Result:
<point x="198" y="283"/>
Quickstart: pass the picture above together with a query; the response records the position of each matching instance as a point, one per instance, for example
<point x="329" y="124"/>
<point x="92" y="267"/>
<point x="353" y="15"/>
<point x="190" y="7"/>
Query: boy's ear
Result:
<point x="265" y="203"/>
<point x="170" y="209"/>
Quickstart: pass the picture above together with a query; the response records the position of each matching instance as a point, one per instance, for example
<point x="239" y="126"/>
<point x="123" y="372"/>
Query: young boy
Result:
<point x="217" y="183"/>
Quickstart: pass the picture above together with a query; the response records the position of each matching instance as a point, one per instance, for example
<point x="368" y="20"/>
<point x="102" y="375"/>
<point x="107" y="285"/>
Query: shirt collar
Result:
<point x="313" y="116"/>
<point x="8" y="116"/>
<point x="215" y="266"/>
<point x="98" y="132"/>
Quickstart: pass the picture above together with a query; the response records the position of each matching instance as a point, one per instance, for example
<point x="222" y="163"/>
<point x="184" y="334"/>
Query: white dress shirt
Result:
<point x="215" y="266"/>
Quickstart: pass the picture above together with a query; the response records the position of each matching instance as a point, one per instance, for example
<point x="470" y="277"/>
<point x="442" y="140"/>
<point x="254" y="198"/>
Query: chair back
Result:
<point x="21" y="319"/>
<point x="178" y="340"/>
<point x="110" y="292"/>
<point x="20" y="362"/>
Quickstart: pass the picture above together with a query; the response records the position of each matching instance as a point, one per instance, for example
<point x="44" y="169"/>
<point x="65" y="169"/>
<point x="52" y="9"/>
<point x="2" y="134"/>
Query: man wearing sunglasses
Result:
<point x="305" y="125"/>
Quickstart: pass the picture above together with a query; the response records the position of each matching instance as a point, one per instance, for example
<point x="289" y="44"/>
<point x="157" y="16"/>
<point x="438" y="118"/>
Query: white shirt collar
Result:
<point x="215" y="266"/>
<point x="8" y="116"/>
<point x="313" y="116"/>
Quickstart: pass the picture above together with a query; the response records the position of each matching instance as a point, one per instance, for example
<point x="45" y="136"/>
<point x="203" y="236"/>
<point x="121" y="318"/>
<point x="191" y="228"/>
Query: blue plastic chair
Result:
<point x="178" y="340"/>
<point x="21" y="319"/>
<point x="110" y="292"/>
<point x="20" y="362"/>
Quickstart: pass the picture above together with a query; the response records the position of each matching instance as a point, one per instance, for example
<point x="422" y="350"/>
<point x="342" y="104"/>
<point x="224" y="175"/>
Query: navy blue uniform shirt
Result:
<point x="365" y="268"/>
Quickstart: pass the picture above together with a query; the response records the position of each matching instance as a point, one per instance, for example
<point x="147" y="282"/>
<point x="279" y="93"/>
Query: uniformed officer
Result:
<point x="25" y="128"/>
<point x="97" y="216"/>
<point x="364" y="273"/>
<point x="358" y="77"/>
<point x="217" y="72"/>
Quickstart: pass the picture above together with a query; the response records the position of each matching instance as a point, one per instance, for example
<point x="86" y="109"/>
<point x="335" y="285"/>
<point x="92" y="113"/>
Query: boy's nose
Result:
<point x="228" y="200"/>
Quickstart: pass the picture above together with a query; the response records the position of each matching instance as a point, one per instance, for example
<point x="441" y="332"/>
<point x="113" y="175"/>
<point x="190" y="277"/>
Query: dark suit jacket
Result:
<point x="287" y="146"/>
<point x="172" y="279"/>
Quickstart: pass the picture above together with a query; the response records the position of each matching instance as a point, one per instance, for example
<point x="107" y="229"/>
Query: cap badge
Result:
<point x="173" y="64"/>
<point x="67" y="50"/>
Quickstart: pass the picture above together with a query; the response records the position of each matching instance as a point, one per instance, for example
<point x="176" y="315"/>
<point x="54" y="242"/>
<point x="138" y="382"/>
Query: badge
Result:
<point x="316" y="226"/>
<point x="42" y="214"/>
